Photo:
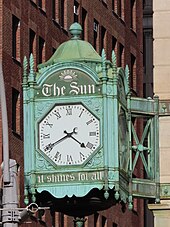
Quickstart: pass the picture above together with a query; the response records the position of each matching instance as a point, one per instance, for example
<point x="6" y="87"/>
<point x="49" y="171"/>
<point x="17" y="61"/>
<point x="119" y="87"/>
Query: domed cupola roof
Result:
<point x="74" y="50"/>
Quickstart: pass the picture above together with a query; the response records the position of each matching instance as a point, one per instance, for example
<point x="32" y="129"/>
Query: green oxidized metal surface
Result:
<point x="77" y="77"/>
<point x="58" y="87"/>
<point x="65" y="82"/>
<point x="74" y="50"/>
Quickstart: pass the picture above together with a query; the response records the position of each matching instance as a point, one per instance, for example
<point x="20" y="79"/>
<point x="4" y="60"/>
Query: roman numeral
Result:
<point x="92" y="133"/>
<point x="49" y="124"/>
<point x="81" y="112"/>
<point x="57" y="114"/>
<point x="57" y="156"/>
<point x="82" y="157"/>
<point x="89" y="122"/>
<point x="69" y="159"/>
<point x="89" y="145"/>
<point x="69" y="111"/>
<point x="45" y="136"/>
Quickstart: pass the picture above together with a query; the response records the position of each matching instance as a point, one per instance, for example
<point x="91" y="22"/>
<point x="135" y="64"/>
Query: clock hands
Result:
<point x="70" y="135"/>
<point x="81" y="144"/>
<point x="50" y="146"/>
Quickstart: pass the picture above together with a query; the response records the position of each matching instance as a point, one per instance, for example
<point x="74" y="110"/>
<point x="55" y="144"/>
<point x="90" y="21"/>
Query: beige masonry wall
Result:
<point x="161" y="81"/>
<point x="164" y="134"/>
<point x="161" y="61"/>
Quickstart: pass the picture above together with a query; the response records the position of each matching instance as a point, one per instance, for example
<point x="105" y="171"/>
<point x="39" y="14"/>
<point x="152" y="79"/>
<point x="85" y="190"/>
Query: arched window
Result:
<point x="96" y="35"/>
<point x="32" y="44"/>
<point x="133" y="14"/>
<point x="16" y="38"/>
<point x="41" y="4"/>
<point x="41" y="50"/>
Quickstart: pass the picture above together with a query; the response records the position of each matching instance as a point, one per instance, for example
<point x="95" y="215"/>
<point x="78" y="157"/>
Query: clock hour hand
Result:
<point x="50" y="146"/>
<point x="81" y="144"/>
<point x="69" y="134"/>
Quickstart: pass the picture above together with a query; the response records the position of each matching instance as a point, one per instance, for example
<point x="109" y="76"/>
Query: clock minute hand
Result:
<point x="81" y="144"/>
<point x="51" y="145"/>
<point x="58" y="141"/>
<point x="69" y="134"/>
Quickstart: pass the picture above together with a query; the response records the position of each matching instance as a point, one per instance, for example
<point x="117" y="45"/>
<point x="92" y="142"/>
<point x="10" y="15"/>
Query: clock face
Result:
<point x="69" y="134"/>
<point x="123" y="139"/>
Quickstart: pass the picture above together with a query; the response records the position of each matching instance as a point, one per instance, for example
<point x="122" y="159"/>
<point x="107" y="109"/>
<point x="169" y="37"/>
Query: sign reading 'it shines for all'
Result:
<point x="70" y="177"/>
<point x="67" y="82"/>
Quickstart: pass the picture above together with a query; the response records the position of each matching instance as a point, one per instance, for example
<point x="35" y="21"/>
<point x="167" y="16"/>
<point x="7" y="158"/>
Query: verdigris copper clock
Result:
<point x="69" y="134"/>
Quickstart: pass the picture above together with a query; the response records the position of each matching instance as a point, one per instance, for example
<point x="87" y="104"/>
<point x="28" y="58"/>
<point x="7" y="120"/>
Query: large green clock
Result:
<point x="69" y="134"/>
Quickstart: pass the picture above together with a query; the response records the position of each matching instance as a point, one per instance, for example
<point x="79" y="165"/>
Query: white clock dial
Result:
<point x="69" y="134"/>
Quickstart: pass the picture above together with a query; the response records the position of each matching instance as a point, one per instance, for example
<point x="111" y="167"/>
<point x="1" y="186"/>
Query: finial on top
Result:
<point x="75" y="30"/>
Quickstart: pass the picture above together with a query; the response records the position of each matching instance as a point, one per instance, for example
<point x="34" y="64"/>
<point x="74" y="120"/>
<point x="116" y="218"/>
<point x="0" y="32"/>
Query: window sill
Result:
<point x="115" y="14"/>
<point x="42" y="11"/>
<point x="16" y="134"/>
<point x="118" y="17"/>
<point x="59" y="26"/>
<point x="56" y="23"/>
<point x="133" y="31"/>
<point x="122" y="21"/>
<point x="64" y="30"/>
<point x="16" y="61"/>
<point x="33" y="3"/>
<point x="104" y="3"/>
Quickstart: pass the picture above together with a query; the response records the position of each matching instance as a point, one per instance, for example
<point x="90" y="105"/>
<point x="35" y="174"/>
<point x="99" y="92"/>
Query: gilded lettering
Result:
<point x="91" y="88"/>
<point x="58" y="90"/>
<point x="74" y="88"/>
<point x="69" y="177"/>
<point x="47" y="90"/>
<point x="48" y="179"/>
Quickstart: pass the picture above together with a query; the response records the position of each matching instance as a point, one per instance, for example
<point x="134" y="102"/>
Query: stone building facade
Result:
<point x="161" y="59"/>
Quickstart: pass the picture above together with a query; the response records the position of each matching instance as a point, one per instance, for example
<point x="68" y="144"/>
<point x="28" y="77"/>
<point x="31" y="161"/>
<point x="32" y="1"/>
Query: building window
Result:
<point x="62" y="9"/>
<point x="41" y="4"/>
<point x="16" y="38"/>
<point x="59" y="10"/>
<point x="114" y="6"/>
<point x="60" y="219"/>
<point x="41" y="50"/>
<point x="32" y="44"/>
<point x="122" y="9"/>
<point x="54" y="10"/>
<point x="119" y="8"/>
<point x="96" y="35"/>
<point x="121" y="61"/>
<point x="96" y="220"/>
<point x="114" y="45"/>
<point x="133" y="14"/>
<point x="114" y="225"/>
<point x="84" y="24"/>
<point x="135" y="204"/>
<point x="103" y="38"/>
<point x="104" y="221"/>
<point x="76" y="11"/>
<point x="133" y="72"/>
<point x="16" y="111"/>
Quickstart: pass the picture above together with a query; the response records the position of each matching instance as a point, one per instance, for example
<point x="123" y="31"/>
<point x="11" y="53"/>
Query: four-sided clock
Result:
<point x="69" y="134"/>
